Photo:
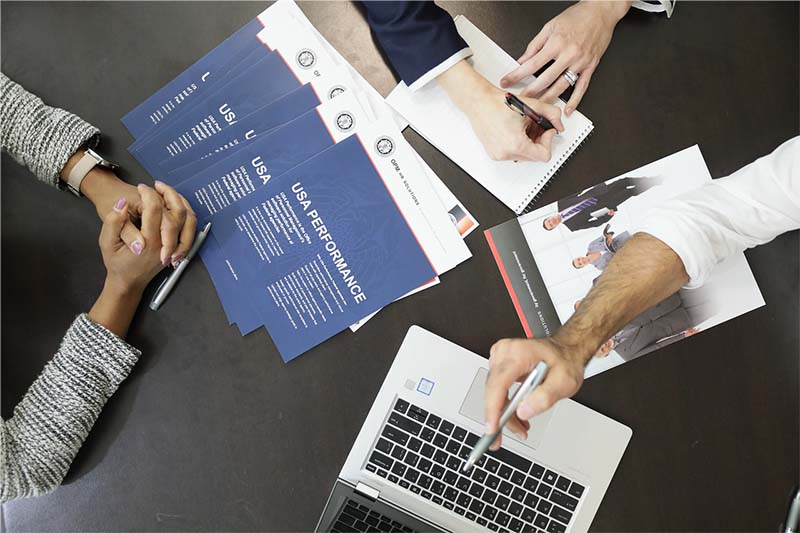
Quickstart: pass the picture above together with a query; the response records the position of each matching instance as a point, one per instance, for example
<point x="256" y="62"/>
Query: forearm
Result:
<point x="463" y="85"/>
<point x="643" y="273"/>
<point x="115" y="307"/>
<point x="38" y="444"/>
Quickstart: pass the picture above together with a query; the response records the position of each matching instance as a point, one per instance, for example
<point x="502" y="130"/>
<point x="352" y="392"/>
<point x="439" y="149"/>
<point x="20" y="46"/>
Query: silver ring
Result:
<point x="571" y="77"/>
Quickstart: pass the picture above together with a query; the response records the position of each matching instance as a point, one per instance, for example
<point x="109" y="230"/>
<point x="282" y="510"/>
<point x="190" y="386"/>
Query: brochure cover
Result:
<point x="324" y="245"/>
<point x="550" y="258"/>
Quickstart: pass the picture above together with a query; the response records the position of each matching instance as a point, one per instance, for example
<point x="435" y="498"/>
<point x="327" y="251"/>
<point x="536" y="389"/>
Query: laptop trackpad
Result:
<point x="473" y="408"/>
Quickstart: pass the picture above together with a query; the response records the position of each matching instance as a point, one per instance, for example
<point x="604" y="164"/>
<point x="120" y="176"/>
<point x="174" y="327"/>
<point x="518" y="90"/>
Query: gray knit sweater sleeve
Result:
<point x="49" y="425"/>
<point x="39" y="136"/>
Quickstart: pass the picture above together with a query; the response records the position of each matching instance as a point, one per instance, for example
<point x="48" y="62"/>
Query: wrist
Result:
<point x="572" y="347"/>
<point x="123" y="290"/>
<point x="98" y="184"/>
<point x="612" y="10"/>
<point x="464" y="85"/>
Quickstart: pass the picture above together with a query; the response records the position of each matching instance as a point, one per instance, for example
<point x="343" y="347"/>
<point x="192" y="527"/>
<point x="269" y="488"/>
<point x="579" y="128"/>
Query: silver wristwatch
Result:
<point x="86" y="163"/>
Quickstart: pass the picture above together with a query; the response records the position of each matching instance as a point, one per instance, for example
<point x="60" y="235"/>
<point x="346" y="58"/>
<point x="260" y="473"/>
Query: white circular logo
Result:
<point x="335" y="91"/>
<point x="345" y="121"/>
<point x="306" y="58"/>
<point x="384" y="146"/>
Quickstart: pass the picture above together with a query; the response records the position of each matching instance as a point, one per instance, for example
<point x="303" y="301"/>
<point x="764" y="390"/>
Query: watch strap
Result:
<point x="76" y="175"/>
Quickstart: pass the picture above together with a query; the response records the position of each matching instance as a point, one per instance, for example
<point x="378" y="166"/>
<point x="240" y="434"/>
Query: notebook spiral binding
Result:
<point x="534" y="196"/>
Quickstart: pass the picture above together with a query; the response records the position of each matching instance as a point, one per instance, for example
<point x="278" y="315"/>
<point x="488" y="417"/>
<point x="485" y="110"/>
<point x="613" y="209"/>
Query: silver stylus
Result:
<point x="531" y="382"/>
<point x="169" y="282"/>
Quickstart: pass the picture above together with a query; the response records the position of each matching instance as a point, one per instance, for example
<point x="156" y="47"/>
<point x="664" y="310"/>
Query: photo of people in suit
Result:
<point x="601" y="250"/>
<point x="598" y="204"/>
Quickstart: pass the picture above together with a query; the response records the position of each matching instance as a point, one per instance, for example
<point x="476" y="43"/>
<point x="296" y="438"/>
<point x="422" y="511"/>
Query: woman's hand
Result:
<point x="505" y="134"/>
<point x="127" y="274"/>
<point x="575" y="40"/>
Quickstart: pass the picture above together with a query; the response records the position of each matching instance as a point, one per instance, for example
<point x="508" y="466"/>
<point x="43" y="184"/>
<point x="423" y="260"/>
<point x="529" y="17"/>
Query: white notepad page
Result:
<point x="434" y="116"/>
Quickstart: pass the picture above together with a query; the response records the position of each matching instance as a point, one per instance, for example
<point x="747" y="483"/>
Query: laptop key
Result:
<point x="494" y="527"/>
<point x="515" y="525"/>
<point x="482" y="521"/>
<point x="450" y="477"/>
<point x="414" y="444"/>
<point x="492" y="481"/>
<point x="531" y="500"/>
<point x="502" y="518"/>
<point x="505" y="488"/>
<point x="417" y="413"/>
<point x="504" y="472"/>
<point x="427" y="450"/>
<point x="411" y="459"/>
<point x="453" y="447"/>
<point x="450" y="494"/>
<point x="476" y="506"/>
<point x="427" y="495"/>
<point x="555" y="527"/>
<point x="383" y="473"/>
<point x="412" y="475"/>
<point x="395" y="435"/>
<point x="405" y="484"/>
<point x="478" y="475"/>
<point x="399" y="468"/>
<point x="530" y="484"/>
<point x="567" y="502"/>
<point x="459" y="433"/>
<point x="415" y="489"/>
<point x="360" y="526"/>
<point x="562" y="515"/>
<point x="463" y="483"/>
<point x="543" y="490"/>
<point x="512" y="459"/>
<point x="464" y="452"/>
<point x="371" y="468"/>
<point x="489" y="496"/>
<point x="492" y="465"/>
<point x="517" y="477"/>
<point x="460" y="510"/>
<point x="544" y="507"/>
<point x="424" y="465"/>
<point x="537" y="471"/>
<point x="471" y="516"/>
<point x="406" y="424"/>
<point x="576" y="489"/>
<point x="449" y="506"/>
<point x="427" y="434"/>
<point x="489" y="512"/>
<point x="425" y="481"/>
<point x="398" y="453"/>
<point x="550" y="477"/>
<point x="437" y="500"/>
<point x="384" y="445"/>
<point x="393" y="478"/>
<point x="502" y="502"/>
<point x="471" y="439"/>
<point x="541" y="521"/>
<point x="433" y="421"/>
<point x="515" y="509"/>
<point x="518" y="494"/>
<point x="381" y="460"/>
<point x="437" y="471"/>
<point x="528" y="514"/>
<point x="440" y="457"/>
<point x="476" y="490"/>
<point x="438" y="487"/>
<point x="454" y="463"/>
<point x="440" y="441"/>
<point x="562" y="483"/>
<point x="446" y="427"/>
<point x="463" y="500"/>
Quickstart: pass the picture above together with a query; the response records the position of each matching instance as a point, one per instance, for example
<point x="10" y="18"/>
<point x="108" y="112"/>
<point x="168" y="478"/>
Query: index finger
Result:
<point x="151" y="214"/>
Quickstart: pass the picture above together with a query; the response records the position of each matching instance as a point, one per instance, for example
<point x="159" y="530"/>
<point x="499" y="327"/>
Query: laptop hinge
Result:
<point x="367" y="491"/>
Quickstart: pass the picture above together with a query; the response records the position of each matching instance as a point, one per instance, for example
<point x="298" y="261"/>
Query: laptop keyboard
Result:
<point x="357" y="517"/>
<point x="424" y="453"/>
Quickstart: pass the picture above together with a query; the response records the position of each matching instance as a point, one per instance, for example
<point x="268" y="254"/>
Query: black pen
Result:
<point x="524" y="109"/>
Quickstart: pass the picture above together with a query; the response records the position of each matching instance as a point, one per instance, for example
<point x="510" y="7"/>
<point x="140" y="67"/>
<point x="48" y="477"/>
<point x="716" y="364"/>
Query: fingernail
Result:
<point x="524" y="412"/>
<point x="569" y="111"/>
<point x="136" y="247"/>
<point x="494" y="447"/>
<point x="521" y="434"/>
<point x="158" y="182"/>
<point x="176" y="260"/>
<point x="120" y="204"/>
<point x="165" y="261"/>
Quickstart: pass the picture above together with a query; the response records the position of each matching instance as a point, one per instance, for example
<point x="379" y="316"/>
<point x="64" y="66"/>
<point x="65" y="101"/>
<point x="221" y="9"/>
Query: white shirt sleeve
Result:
<point x="440" y="68"/>
<point x="662" y="6"/>
<point x="750" y="207"/>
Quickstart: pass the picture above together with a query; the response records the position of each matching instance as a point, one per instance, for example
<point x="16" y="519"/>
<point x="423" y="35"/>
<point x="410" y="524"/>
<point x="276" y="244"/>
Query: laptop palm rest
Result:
<point x="473" y="407"/>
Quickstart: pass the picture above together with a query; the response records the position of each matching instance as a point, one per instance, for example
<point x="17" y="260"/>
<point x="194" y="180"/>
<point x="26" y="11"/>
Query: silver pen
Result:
<point x="169" y="282"/>
<point x="531" y="382"/>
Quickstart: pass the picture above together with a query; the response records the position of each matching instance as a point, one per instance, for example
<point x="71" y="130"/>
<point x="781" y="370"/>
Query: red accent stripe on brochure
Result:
<point x="378" y="172"/>
<point x="507" y="281"/>
<point x="325" y="124"/>
<point x="265" y="43"/>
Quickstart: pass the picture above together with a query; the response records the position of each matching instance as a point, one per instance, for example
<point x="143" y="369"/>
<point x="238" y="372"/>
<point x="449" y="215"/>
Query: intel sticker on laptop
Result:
<point x="425" y="386"/>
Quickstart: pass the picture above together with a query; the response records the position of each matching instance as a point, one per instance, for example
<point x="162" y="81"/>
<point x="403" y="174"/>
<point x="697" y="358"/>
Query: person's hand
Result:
<point x="511" y="360"/>
<point x="127" y="272"/>
<point x="178" y="224"/>
<point x="505" y="134"/>
<point x="574" y="40"/>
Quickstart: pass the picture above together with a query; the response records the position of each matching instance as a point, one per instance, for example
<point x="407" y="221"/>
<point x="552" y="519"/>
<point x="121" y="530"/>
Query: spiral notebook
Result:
<point x="433" y="115"/>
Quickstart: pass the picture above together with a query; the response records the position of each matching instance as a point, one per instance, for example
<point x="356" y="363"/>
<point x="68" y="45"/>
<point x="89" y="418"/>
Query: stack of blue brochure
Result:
<point x="321" y="212"/>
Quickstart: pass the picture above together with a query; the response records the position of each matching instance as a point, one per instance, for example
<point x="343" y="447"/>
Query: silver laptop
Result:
<point x="404" y="470"/>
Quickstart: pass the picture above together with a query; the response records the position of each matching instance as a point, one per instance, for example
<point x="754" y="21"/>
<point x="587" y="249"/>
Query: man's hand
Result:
<point x="511" y="360"/>
<point x="574" y="40"/>
<point x="505" y="134"/>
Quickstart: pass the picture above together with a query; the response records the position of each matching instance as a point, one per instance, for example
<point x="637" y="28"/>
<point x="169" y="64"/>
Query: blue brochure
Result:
<point x="323" y="245"/>
<point x="192" y="82"/>
<point x="253" y="165"/>
<point x="265" y="81"/>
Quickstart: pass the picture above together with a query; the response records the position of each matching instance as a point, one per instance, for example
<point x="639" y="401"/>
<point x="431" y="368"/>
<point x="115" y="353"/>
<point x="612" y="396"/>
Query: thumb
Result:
<point x="112" y="226"/>
<point x="132" y="237"/>
<point x="539" y="401"/>
<point x="548" y="111"/>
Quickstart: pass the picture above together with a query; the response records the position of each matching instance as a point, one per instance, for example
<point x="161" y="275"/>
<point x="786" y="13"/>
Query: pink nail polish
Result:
<point x="136" y="247"/>
<point x="176" y="260"/>
<point x="120" y="204"/>
<point x="165" y="261"/>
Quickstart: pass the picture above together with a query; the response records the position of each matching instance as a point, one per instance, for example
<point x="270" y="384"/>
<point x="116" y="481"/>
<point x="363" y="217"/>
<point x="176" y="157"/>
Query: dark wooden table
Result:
<point x="213" y="432"/>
